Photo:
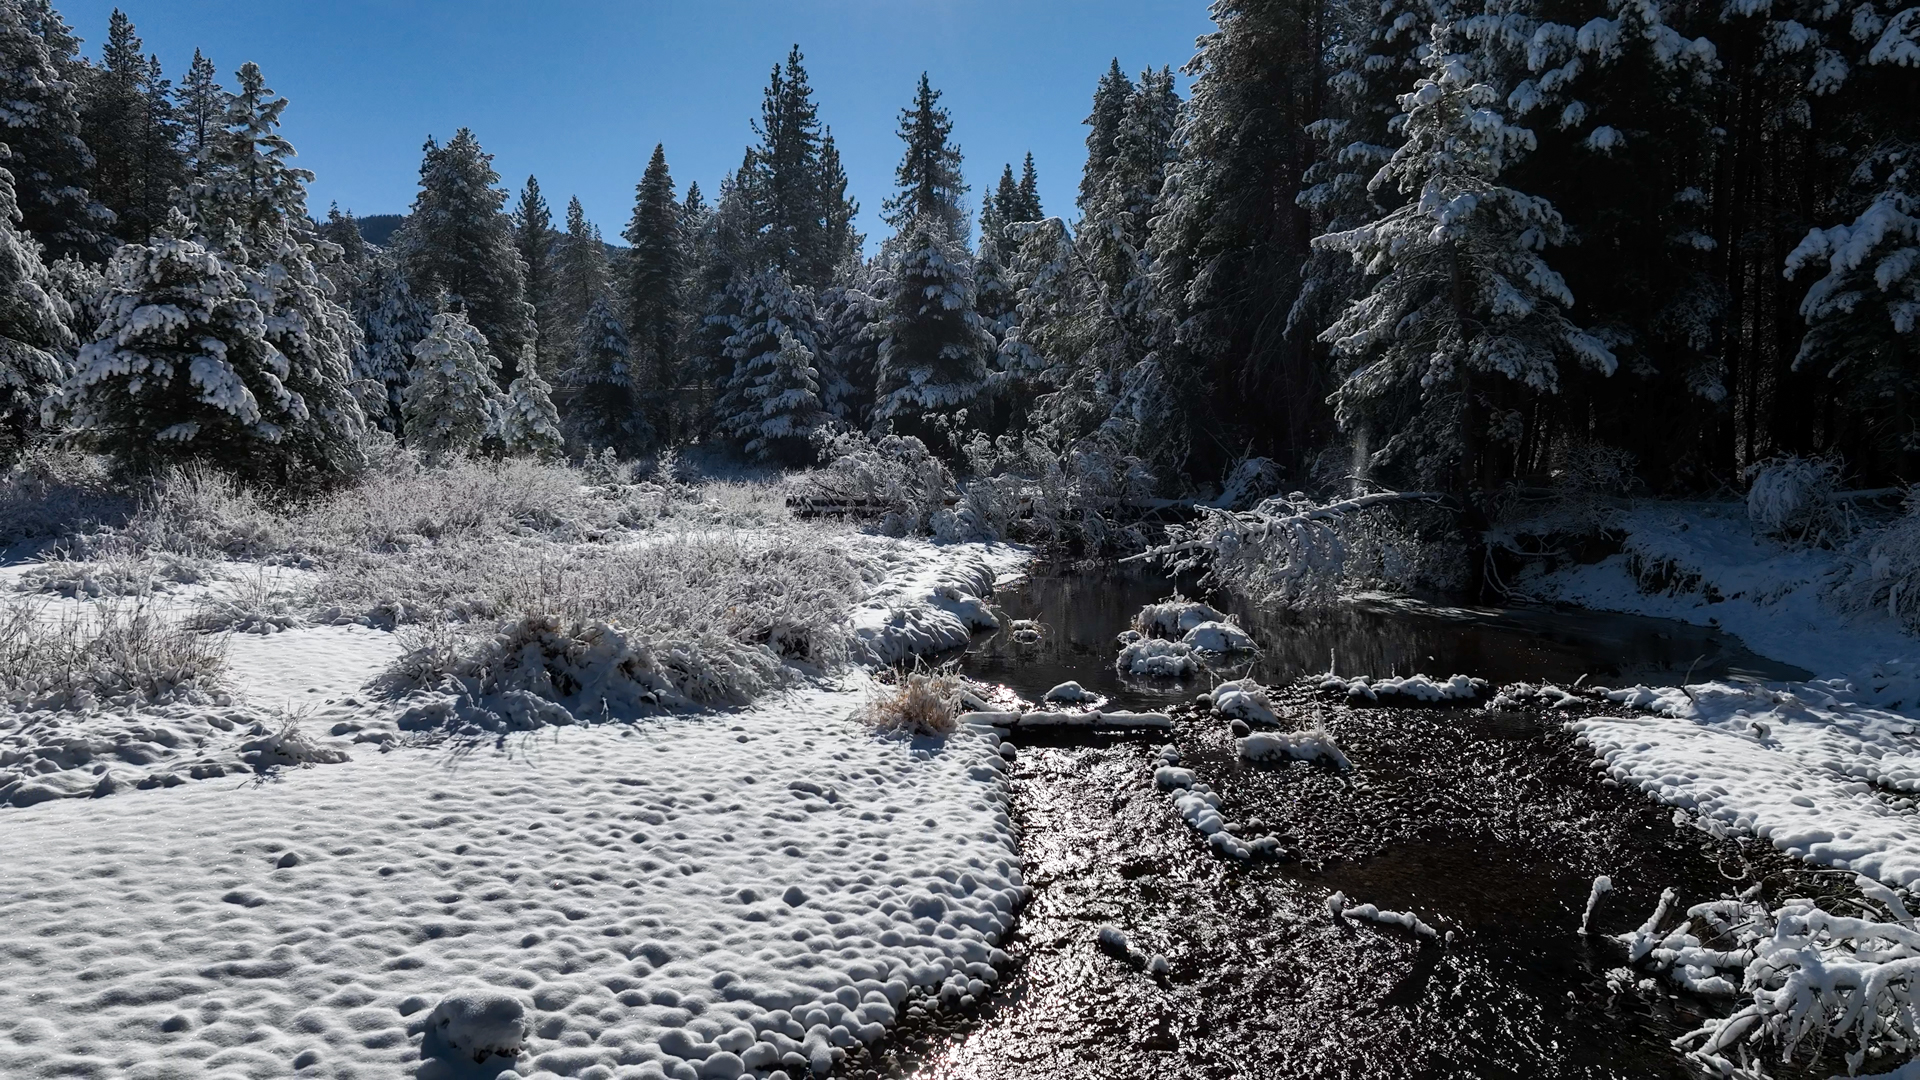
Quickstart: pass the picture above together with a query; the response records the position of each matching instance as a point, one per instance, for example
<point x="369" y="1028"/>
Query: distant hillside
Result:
<point x="376" y="228"/>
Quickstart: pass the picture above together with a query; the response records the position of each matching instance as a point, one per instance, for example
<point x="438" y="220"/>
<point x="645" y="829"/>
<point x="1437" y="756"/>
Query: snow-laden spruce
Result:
<point x="524" y="419"/>
<point x="771" y="403"/>
<point x="449" y="402"/>
<point x="392" y="321"/>
<point x="35" y="339"/>
<point x="606" y="408"/>
<point x="1462" y="287"/>
<point x="933" y="357"/>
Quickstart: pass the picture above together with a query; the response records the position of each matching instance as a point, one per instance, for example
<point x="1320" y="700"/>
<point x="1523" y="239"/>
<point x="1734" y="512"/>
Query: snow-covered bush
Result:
<point x="894" y="474"/>
<point x="1793" y="498"/>
<point x="118" y="652"/>
<point x="51" y="492"/>
<point x="1287" y="551"/>
<point x="259" y="603"/>
<point x="524" y="419"/>
<point x="1883" y="571"/>
<point x="1028" y="489"/>
<point x="914" y="703"/>
<point x="449" y="403"/>
<point x="479" y="1024"/>
<point x="1172" y="618"/>
<point x="1251" y="480"/>
<point x="1157" y="658"/>
<point x="287" y="747"/>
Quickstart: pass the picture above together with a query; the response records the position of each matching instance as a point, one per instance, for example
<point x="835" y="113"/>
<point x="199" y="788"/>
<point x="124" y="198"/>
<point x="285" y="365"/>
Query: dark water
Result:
<point x="1489" y="824"/>
<point x="1082" y="611"/>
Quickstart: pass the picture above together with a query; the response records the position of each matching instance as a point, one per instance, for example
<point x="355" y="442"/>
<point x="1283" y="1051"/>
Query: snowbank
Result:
<point x="726" y="894"/>
<point x="1816" y="768"/>
<point x="1174" y="618"/>
<point x="932" y="599"/>
<point x="1310" y="745"/>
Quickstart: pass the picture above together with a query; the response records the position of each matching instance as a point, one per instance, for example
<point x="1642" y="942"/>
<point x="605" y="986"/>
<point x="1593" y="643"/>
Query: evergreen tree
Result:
<point x="128" y="122"/>
<point x="1462" y="290"/>
<point x="198" y="106"/>
<point x="533" y="239"/>
<point x="459" y="242"/>
<point x="392" y="321"/>
<point x="580" y="276"/>
<point x="772" y="401"/>
<point x="841" y="242"/>
<point x="1118" y="211"/>
<point x="524" y="419"/>
<point x="655" y="277"/>
<point x="1863" y="314"/>
<point x="725" y="253"/>
<point x="40" y="111"/>
<point x="850" y="313"/>
<point x="343" y="231"/>
<point x="252" y="206"/>
<point x="203" y="384"/>
<point x="1109" y="105"/>
<point x="607" y="406"/>
<point x="928" y="179"/>
<point x="36" y="341"/>
<point x="993" y="291"/>
<point x="1028" y="207"/>
<point x="933" y="357"/>
<point x="451" y="397"/>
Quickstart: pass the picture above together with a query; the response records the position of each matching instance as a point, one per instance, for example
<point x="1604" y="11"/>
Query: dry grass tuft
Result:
<point x="918" y="702"/>
<point x="119" y="651"/>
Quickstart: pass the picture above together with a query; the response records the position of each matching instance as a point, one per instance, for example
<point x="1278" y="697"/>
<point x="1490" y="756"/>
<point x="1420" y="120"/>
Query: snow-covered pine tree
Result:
<point x="451" y="397"/>
<point x="771" y="404"/>
<point x="127" y="119"/>
<point x="1118" y="211"/>
<point x="724" y="252"/>
<point x="392" y="321"/>
<point x="772" y="396"/>
<point x="181" y="369"/>
<point x="580" y="273"/>
<point x="928" y="180"/>
<point x="1028" y="206"/>
<point x="850" y="311"/>
<point x="36" y="342"/>
<point x="1863" y="314"/>
<point x="933" y="355"/>
<point x="40" y="122"/>
<point x="1461" y="289"/>
<point x="993" y="290"/>
<point x="608" y="405"/>
<point x="524" y="419"/>
<point x="840" y="241"/>
<point x="533" y="238"/>
<point x="459" y="242"/>
<point x="1050" y="364"/>
<point x="653" y="287"/>
<point x="251" y="204"/>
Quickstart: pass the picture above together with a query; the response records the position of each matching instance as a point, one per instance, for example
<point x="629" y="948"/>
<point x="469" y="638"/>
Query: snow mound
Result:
<point x="1073" y="693"/>
<point x="1157" y="658"/>
<point x="931" y="601"/>
<point x="1219" y="637"/>
<point x="1244" y="699"/>
<point x="1337" y="905"/>
<point x="1311" y="745"/>
<point x="477" y="1025"/>
<point x="1411" y="687"/>
<point x="1174" y="618"/>
<point x="1199" y="807"/>
<point x="288" y="747"/>
<point x="1807" y="766"/>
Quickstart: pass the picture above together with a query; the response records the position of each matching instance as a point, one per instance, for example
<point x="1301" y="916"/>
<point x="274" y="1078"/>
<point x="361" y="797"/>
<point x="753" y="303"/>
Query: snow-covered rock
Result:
<point x="1411" y="688"/>
<point x="1244" y="699"/>
<point x="479" y="1024"/>
<point x="1219" y="637"/>
<point x="1310" y="745"/>
<point x="1072" y="693"/>
<point x="1174" y="618"/>
<point x="1157" y="658"/>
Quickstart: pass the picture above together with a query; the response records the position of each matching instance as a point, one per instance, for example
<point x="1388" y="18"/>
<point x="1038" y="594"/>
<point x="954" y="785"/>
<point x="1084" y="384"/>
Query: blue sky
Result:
<point x="578" y="91"/>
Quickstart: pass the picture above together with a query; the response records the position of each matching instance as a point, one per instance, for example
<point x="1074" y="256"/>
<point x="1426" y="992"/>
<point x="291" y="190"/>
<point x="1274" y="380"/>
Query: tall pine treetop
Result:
<point x="928" y="179"/>
<point x="1109" y="105"/>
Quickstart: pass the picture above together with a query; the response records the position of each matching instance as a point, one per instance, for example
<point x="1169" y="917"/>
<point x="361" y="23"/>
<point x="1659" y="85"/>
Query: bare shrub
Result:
<point x="1883" y="571"/>
<point x="50" y="493"/>
<point x="696" y="618"/>
<point x="116" y="651"/>
<point x="1795" y="499"/>
<point x="922" y="701"/>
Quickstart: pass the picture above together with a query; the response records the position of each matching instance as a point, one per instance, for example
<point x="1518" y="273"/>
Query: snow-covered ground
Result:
<point x="686" y="896"/>
<point x="1826" y="769"/>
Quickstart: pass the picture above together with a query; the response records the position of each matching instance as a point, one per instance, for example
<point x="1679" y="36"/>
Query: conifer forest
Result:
<point x="1414" y="573"/>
